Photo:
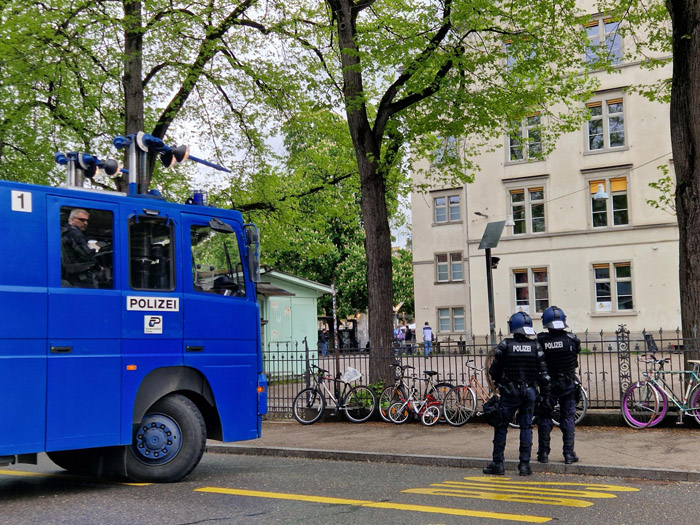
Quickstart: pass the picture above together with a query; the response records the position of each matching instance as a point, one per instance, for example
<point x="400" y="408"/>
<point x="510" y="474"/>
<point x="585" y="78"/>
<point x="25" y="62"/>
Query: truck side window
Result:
<point x="151" y="254"/>
<point x="216" y="262"/>
<point x="87" y="259"/>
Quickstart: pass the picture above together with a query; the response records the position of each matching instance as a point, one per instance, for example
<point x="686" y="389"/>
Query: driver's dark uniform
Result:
<point x="79" y="266"/>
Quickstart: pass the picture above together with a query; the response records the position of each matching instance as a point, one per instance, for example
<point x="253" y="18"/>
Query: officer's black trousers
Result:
<point x="522" y="400"/>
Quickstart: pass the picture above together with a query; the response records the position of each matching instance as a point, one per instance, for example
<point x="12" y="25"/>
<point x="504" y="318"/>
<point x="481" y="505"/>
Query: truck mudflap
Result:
<point x="262" y="394"/>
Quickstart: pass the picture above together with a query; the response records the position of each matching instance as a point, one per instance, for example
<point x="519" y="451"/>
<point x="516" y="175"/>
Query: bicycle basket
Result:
<point x="351" y="375"/>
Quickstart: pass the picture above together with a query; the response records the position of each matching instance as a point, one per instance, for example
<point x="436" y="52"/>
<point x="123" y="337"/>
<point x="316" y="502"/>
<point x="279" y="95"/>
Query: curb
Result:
<point x="456" y="462"/>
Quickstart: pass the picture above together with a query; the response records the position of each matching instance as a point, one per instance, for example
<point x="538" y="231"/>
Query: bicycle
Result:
<point x="460" y="403"/>
<point x="395" y="392"/>
<point x="645" y="403"/>
<point x="356" y="402"/>
<point x="428" y="409"/>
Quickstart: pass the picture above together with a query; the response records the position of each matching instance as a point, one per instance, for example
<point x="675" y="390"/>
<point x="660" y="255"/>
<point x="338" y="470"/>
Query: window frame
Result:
<point x="604" y="102"/>
<point x="603" y="35"/>
<point x="525" y="145"/>
<point x="104" y="217"/>
<point x="451" y="310"/>
<point x="531" y="285"/>
<point x="134" y="220"/>
<point x="449" y="208"/>
<point x="448" y="263"/>
<point x="527" y="204"/>
<point x="614" y="281"/>
<point x="609" y="182"/>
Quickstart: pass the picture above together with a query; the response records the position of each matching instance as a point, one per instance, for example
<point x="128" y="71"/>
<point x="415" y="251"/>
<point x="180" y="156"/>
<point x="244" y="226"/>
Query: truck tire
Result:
<point x="168" y="443"/>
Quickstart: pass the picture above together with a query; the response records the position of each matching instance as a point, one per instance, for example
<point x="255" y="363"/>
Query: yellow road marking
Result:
<point x="496" y="496"/>
<point x="503" y="489"/>
<point x="535" y="490"/>
<point x="27" y="474"/>
<point x="377" y="504"/>
<point x="508" y="481"/>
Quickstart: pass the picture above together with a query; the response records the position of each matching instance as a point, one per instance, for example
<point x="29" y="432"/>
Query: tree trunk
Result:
<point x="132" y="81"/>
<point x="374" y="211"/>
<point x="685" y="140"/>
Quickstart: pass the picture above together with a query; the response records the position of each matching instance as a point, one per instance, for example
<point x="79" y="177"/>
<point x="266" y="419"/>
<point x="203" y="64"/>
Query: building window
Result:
<point x="606" y="124"/>
<point x="525" y="139"/>
<point x="604" y="41"/>
<point x="531" y="290"/>
<point x="611" y="211"/>
<point x="451" y="319"/>
<point x="613" y="287"/>
<point x="447" y="152"/>
<point x="449" y="267"/>
<point x="527" y="207"/>
<point x="447" y="209"/>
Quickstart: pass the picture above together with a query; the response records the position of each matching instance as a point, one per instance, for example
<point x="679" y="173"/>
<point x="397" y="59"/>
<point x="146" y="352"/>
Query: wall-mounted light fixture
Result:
<point x="481" y="214"/>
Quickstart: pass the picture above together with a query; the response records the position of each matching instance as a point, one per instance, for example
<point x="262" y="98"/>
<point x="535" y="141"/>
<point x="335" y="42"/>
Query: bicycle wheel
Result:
<point x="359" y="404"/>
<point x="398" y="412"/>
<point x="439" y="390"/>
<point x="694" y="404"/>
<point x="431" y="415"/>
<point x="389" y="396"/>
<point x="459" y="405"/>
<point x="640" y="404"/>
<point x="308" y="406"/>
<point x="581" y="407"/>
<point x="663" y="406"/>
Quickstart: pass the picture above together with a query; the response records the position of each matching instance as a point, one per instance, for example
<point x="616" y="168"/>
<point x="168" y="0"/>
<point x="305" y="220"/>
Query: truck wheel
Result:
<point x="168" y="443"/>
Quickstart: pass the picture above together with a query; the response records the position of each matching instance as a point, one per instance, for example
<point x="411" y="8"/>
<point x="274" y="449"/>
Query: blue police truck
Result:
<point x="129" y="325"/>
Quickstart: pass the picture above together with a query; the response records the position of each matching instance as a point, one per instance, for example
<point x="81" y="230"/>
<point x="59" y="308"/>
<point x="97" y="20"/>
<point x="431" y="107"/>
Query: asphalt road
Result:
<point x="227" y="489"/>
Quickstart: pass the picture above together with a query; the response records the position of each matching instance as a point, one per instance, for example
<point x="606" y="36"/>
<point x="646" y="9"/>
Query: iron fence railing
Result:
<point x="608" y="363"/>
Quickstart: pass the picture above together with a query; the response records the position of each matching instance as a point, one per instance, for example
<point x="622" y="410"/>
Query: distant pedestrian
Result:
<point x="518" y="363"/>
<point x="323" y="341"/>
<point x="561" y="351"/>
<point x="399" y="340"/>
<point x="427" y="339"/>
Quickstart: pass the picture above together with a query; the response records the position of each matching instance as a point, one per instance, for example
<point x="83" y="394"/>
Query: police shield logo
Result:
<point x="152" y="324"/>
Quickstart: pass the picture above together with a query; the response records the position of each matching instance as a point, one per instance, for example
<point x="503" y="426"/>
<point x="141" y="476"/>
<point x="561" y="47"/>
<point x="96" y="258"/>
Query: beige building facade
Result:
<point x="580" y="232"/>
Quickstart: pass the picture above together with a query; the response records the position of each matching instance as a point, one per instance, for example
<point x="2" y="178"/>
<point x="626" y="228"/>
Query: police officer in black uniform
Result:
<point x="561" y="351"/>
<point x="517" y="365"/>
<point x="79" y="266"/>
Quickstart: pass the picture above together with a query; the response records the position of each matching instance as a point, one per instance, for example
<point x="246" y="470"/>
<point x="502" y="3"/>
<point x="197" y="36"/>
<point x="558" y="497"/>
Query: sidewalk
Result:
<point x="669" y="453"/>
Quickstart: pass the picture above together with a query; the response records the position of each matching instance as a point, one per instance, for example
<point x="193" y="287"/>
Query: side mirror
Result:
<point x="252" y="235"/>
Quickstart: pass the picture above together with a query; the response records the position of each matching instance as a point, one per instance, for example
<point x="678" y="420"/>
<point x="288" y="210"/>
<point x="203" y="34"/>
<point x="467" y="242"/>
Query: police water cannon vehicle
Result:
<point x="120" y="355"/>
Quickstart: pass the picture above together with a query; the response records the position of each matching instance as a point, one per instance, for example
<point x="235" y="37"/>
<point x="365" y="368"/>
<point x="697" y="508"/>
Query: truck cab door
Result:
<point x="221" y="319"/>
<point x="84" y="325"/>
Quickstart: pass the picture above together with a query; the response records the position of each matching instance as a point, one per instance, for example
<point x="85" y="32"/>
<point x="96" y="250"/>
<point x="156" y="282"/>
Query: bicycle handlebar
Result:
<point x="651" y="358"/>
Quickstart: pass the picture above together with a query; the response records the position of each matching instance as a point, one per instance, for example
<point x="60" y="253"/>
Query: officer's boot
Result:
<point x="524" y="468"/>
<point x="494" y="468"/>
<point x="569" y="454"/>
<point x="524" y="465"/>
<point x="543" y="449"/>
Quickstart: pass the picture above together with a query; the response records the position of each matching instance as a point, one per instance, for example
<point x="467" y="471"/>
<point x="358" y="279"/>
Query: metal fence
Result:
<point x="608" y="363"/>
